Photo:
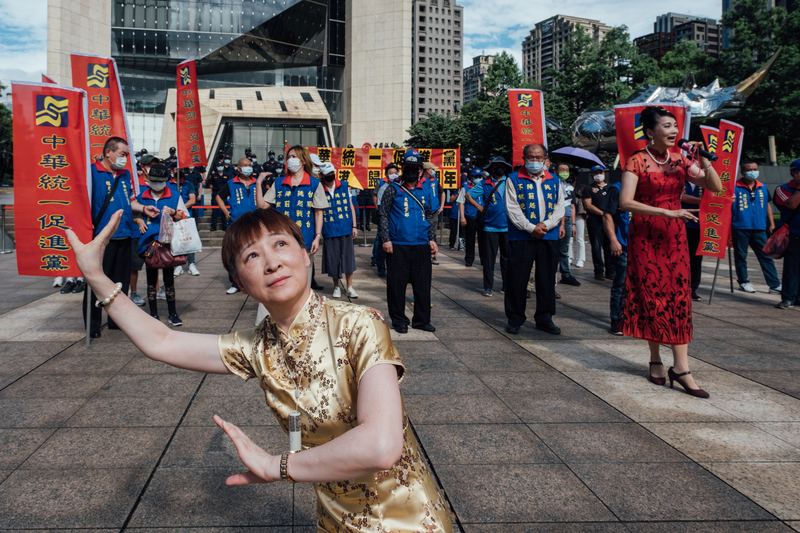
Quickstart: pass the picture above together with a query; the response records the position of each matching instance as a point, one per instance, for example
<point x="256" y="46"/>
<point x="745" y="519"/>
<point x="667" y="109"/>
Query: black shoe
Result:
<point x="512" y="329"/>
<point x="696" y="297"/>
<point x="558" y="296"/>
<point x="468" y="265"/>
<point x="487" y="292"/>
<point x="316" y="286"/>
<point x="614" y="329"/>
<point x="382" y="274"/>
<point x="426" y="327"/>
<point x="94" y="334"/>
<point x="601" y="277"/>
<point x="79" y="287"/>
<point x="611" y="277"/>
<point x="175" y="320"/>
<point x="156" y="316"/>
<point x="785" y="304"/>
<point x="373" y="264"/>
<point x="67" y="288"/>
<point x="369" y="228"/>
<point x="570" y="280"/>
<point x="549" y="328"/>
<point x="401" y="328"/>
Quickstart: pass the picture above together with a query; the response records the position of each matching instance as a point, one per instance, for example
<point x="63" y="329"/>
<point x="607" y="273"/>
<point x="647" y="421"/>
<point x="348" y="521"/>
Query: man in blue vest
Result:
<point x="751" y="215"/>
<point x="409" y="239"/>
<point x="535" y="207"/>
<point x="787" y="200"/>
<point x="615" y="223"/>
<point x="495" y="223"/>
<point x="468" y="207"/>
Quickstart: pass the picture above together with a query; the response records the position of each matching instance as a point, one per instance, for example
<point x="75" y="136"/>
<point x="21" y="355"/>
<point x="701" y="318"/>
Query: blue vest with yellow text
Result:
<point x="296" y="202"/>
<point x="242" y="198"/>
<point x="407" y="222"/>
<point x="747" y="213"/>
<point x="337" y="220"/>
<point x="528" y="198"/>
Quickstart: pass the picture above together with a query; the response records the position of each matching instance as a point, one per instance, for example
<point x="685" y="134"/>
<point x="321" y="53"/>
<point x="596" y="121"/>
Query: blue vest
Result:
<point x="187" y="189"/>
<point x="433" y="185"/>
<point x="102" y="181"/>
<point x="495" y="207"/>
<point x="527" y="196"/>
<point x="407" y="223"/>
<point x="476" y="192"/>
<point x="690" y="189"/>
<point x="169" y="198"/>
<point x="242" y="198"/>
<point x="295" y="202"/>
<point x="749" y="214"/>
<point x="337" y="219"/>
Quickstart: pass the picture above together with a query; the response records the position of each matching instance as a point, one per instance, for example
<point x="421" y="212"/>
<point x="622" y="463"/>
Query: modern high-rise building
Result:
<point x="541" y="49"/>
<point x="473" y="76"/>
<point x="436" y="58"/>
<point x="672" y="28"/>
<point x="337" y="49"/>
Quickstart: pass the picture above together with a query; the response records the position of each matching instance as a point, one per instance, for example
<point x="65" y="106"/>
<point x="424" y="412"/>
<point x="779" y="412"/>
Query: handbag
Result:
<point x="159" y="255"/>
<point x="185" y="238"/>
<point x="778" y="242"/>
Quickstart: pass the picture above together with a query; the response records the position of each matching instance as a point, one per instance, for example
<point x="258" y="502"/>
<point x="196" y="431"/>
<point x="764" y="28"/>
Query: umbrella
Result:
<point x="578" y="157"/>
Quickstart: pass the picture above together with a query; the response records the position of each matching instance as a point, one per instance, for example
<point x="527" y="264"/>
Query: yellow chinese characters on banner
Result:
<point x="188" y="122"/>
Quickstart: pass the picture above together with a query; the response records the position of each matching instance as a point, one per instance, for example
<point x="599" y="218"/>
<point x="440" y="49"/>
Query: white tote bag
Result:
<point x="185" y="238"/>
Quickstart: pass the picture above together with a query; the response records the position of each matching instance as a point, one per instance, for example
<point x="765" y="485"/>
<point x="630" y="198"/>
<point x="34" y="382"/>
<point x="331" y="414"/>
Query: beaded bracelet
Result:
<point x="103" y="303"/>
<point x="285" y="467"/>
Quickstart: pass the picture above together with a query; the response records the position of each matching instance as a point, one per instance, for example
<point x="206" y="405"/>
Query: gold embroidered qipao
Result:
<point x="348" y="340"/>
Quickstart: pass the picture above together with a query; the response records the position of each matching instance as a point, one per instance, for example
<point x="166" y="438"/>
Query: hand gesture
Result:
<point x="150" y="210"/>
<point x="90" y="256"/>
<point x="686" y="215"/>
<point x="387" y="247"/>
<point x="539" y="231"/>
<point x="314" y="245"/>
<point x="257" y="461"/>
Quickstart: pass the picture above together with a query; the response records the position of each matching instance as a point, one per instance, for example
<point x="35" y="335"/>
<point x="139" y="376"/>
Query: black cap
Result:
<point x="500" y="160"/>
<point x="158" y="173"/>
<point x="172" y="150"/>
<point x="144" y="151"/>
<point x="271" y="152"/>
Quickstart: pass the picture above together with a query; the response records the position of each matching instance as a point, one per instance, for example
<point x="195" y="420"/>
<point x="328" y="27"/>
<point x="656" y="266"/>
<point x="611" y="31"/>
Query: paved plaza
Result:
<point x="527" y="432"/>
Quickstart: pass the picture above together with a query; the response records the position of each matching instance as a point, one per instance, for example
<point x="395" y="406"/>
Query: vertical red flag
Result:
<point x="715" y="210"/>
<point x="52" y="179"/>
<point x="188" y="124"/>
<point x="98" y="76"/>
<point x="527" y="121"/>
<point x="710" y="136"/>
<point x="47" y="79"/>
<point x="630" y="132"/>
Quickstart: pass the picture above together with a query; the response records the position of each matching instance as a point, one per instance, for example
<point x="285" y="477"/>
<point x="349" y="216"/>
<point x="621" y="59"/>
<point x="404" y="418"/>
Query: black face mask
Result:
<point x="329" y="178"/>
<point x="497" y="172"/>
<point x="409" y="175"/>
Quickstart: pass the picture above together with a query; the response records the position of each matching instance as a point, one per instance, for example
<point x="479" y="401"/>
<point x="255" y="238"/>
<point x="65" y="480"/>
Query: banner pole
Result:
<point x="714" y="283"/>
<point x="4" y="251"/>
<point x="88" y="314"/>
<point x="730" y="266"/>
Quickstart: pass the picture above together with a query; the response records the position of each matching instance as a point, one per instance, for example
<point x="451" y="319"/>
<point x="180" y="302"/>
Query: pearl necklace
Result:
<point x="647" y="149"/>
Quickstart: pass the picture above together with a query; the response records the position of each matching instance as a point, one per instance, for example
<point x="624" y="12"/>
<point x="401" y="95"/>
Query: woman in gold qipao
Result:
<point x="333" y="362"/>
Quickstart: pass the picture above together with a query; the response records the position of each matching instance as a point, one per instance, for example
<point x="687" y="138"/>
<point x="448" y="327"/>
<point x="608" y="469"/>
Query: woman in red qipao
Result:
<point x="657" y="295"/>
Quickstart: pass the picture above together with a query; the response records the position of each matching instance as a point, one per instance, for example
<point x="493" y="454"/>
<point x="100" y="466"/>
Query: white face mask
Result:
<point x="294" y="164"/>
<point x="120" y="162"/>
<point x="599" y="177"/>
<point x="534" y="167"/>
<point x="247" y="170"/>
<point x="392" y="177"/>
<point x="157" y="186"/>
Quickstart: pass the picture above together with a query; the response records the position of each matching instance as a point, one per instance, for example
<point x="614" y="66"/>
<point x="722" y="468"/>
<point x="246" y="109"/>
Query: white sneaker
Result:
<point x="178" y="271"/>
<point x="776" y="290"/>
<point x="747" y="287"/>
<point x="337" y="292"/>
<point x="161" y="295"/>
<point x="579" y="264"/>
<point x="135" y="298"/>
<point x="351" y="292"/>
<point x="193" y="270"/>
<point x="58" y="282"/>
<point x="233" y="290"/>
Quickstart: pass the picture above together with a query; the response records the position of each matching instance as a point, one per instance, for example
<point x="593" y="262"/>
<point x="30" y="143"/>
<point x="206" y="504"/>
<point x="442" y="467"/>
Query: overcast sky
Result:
<point x="489" y="27"/>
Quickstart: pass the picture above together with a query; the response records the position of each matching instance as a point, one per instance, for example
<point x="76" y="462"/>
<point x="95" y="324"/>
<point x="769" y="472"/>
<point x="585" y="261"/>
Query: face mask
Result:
<point x="392" y="177"/>
<point x="119" y="162"/>
<point x="294" y="164"/>
<point x="599" y="177"/>
<point x="563" y="175"/>
<point x="255" y="160"/>
<point x="497" y="172"/>
<point x="410" y="176"/>
<point x="476" y="180"/>
<point x="246" y="171"/>
<point x="157" y="186"/>
<point x="220" y="169"/>
<point x="467" y="160"/>
<point x="138" y="158"/>
<point x="329" y="178"/>
<point x="534" y="167"/>
<point x="227" y="161"/>
<point x="751" y="175"/>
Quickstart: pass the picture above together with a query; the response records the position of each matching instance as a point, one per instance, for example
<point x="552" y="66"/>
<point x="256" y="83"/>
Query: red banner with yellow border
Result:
<point x="526" y="107"/>
<point x="52" y="179"/>
<point x="363" y="168"/>
<point x="188" y="123"/>
<point x="715" y="209"/>
<point x="98" y="76"/>
<point x="630" y="131"/>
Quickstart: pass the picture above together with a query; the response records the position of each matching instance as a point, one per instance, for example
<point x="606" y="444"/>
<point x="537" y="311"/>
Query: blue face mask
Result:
<point x="220" y="169"/>
<point x="751" y="175"/>
<point x="534" y="167"/>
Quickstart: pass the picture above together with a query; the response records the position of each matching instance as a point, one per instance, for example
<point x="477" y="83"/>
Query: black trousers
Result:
<point x="471" y="231"/>
<point x="695" y="261"/>
<point x="492" y="242"/>
<point x="453" y="232"/>
<point x="117" y="266"/>
<point x="521" y="257"/>
<point x="409" y="264"/>
<point x="601" y="247"/>
<point x="169" y="288"/>
<point x="217" y="213"/>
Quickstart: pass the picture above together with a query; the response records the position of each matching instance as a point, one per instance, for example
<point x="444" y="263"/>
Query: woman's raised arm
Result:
<point x="191" y="351"/>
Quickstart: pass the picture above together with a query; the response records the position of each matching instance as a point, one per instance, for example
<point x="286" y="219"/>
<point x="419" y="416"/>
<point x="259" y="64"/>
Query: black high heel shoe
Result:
<point x="655" y="380"/>
<point x="699" y="393"/>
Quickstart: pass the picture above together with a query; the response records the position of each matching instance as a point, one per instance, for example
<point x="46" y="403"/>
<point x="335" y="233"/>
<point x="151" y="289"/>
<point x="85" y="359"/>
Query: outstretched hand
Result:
<point x="90" y="256"/>
<point x="260" y="464"/>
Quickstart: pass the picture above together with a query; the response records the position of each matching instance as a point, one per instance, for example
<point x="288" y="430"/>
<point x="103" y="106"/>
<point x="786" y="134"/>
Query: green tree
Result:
<point x="503" y="74"/>
<point x="686" y="57"/>
<point x="6" y="140"/>
<point x="437" y="131"/>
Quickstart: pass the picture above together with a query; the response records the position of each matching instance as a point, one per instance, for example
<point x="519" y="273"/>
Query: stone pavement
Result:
<point x="525" y="433"/>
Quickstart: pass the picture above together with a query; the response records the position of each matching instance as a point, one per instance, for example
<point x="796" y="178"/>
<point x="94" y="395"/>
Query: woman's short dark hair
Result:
<point x="651" y="115"/>
<point x="252" y="226"/>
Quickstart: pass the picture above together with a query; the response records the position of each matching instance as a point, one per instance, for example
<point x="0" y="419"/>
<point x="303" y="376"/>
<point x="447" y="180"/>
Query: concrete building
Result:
<point x="672" y="28"/>
<point x="542" y="48"/>
<point x="727" y="5"/>
<point x="349" y="51"/>
<point x="473" y="76"/>
<point x="436" y="58"/>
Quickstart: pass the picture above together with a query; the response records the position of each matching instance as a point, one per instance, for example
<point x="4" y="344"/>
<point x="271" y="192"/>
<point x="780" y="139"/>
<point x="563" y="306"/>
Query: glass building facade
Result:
<point x="237" y="43"/>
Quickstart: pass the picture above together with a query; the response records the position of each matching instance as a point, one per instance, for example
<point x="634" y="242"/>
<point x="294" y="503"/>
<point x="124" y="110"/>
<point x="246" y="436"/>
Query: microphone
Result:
<point x="707" y="155"/>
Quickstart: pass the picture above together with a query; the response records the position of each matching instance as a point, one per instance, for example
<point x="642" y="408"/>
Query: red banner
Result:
<point x="188" y="125"/>
<point x="363" y="168"/>
<point x="47" y="79"/>
<point x="527" y="120"/>
<point x="98" y="76"/>
<point x="710" y="136"/>
<point x="52" y="179"/>
<point x="715" y="210"/>
<point x="630" y="132"/>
